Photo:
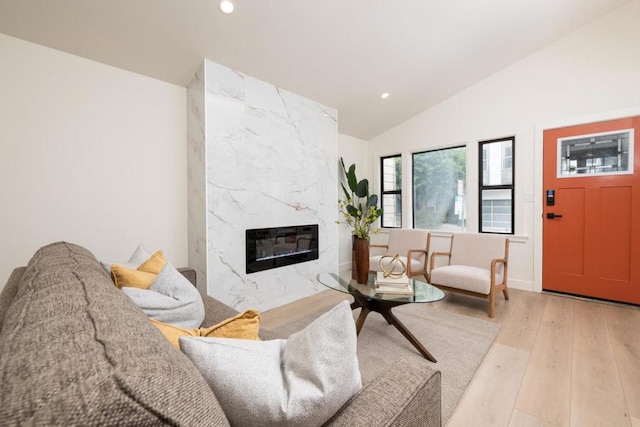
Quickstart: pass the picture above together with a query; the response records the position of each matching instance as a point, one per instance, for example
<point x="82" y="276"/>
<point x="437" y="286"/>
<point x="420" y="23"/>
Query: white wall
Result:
<point x="89" y="154"/>
<point x="592" y="72"/>
<point x="353" y="151"/>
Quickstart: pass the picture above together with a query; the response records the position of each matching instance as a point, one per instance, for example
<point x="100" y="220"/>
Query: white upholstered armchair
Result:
<point x="409" y="244"/>
<point x="477" y="265"/>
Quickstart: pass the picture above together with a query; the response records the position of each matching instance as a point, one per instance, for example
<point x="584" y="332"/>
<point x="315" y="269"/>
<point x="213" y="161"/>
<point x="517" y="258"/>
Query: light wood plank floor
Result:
<point x="558" y="361"/>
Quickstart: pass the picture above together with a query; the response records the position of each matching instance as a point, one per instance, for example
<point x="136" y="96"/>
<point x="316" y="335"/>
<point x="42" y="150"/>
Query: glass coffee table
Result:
<point x="367" y="298"/>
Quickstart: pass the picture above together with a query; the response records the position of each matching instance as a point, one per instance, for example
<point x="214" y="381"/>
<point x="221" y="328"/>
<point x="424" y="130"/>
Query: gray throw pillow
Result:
<point x="301" y="381"/>
<point x="170" y="299"/>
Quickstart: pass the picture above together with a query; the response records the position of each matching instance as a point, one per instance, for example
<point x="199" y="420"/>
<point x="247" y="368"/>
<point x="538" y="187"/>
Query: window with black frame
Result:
<point x="439" y="189"/>
<point x="496" y="207"/>
<point x="391" y="185"/>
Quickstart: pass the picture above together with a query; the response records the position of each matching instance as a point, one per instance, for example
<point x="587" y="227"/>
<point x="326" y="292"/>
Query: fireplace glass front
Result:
<point x="268" y="248"/>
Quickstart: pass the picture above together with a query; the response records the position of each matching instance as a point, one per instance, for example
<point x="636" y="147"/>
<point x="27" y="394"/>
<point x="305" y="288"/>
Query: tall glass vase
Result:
<point x="360" y="260"/>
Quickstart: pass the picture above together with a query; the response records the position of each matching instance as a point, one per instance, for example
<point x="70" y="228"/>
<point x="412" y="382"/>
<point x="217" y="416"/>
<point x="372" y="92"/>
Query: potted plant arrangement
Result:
<point x="360" y="211"/>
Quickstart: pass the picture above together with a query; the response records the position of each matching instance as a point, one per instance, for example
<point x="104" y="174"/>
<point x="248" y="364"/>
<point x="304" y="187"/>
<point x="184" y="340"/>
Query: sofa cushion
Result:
<point x="140" y="255"/>
<point x="141" y="277"/>
<point x="159" y="289"/>
<point x="77" y="351"/>
<point x="124" y="277"/>
<point x="171" y="298"/>
<point x="301" y="381"/>
<point x="468" y="278"/>
<point x="154" y="264"/>
<point x="242" y="326"/>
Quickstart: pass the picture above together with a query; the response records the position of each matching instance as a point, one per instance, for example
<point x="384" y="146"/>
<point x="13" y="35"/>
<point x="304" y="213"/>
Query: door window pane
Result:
<point x="439" y="189"/>
<point x="598" y="154"/>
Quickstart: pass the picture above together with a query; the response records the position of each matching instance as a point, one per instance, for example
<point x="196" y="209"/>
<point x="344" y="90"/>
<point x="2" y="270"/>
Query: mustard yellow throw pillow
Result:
<point x="142" y="277"/>
<point x="242" y="326"/>
<point x="154" y="264"/>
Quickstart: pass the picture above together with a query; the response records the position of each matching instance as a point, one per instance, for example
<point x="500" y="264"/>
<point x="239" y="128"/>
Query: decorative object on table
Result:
<point x="392" y="266"/>
<point x="400" y="286"/>
<point x="412" y="247"/>
<point x="392" y="280"/>
<point x="360" y="260"/>
<point x="360" y="211"/>
<point x="399" y="281"/>
<point x="391" y="290"/>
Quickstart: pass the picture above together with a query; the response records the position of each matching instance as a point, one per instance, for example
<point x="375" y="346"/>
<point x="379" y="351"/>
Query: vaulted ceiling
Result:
<point x="342" y="53"/>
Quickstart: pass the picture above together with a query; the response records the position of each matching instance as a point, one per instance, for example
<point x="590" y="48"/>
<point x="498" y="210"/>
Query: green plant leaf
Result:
<point x="372" y="201"/>
<point x="343" y="168"/>
<point x="346" y="193"/>
<point x="362" y="190"/>
<point x="351" y="178"/>
<point x="352" y="211"/>
<point x="358" y="216"/>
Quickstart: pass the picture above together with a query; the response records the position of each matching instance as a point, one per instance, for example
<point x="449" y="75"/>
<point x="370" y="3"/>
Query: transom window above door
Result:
<point x="609" y="153"/>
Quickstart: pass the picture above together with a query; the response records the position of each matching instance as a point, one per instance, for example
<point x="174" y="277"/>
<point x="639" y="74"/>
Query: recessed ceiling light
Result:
<point x="226" y="6"/>
<point x="384" y="95"/>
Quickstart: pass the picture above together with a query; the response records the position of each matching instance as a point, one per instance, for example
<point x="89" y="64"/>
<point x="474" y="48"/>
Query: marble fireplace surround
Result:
<point x="258" y="157"/>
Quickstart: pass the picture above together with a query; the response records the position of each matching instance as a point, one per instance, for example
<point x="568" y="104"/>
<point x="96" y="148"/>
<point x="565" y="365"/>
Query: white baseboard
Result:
<point x="344" y="266"/>
<point x="524" y="285"/>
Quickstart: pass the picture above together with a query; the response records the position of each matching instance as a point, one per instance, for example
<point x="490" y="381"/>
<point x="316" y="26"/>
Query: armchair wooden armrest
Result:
<point x="378" y="245"/>
<point x="494" y="263"/>
<point x="425" y="273"/>
<point x="373" y="246"/>
<point x="432" y="263"/>
<point x="411" y="251"/>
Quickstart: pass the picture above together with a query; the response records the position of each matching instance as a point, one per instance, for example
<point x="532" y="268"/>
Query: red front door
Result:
<point x="591" y="233"/>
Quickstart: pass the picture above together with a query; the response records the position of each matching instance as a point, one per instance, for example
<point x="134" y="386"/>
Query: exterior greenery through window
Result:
<point x="391" y="185"/>
<point x="439" y="185"/>
<point x="496" y="185"/>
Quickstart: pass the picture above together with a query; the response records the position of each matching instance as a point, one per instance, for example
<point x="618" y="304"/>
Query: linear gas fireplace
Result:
<point x="276" y="247"/>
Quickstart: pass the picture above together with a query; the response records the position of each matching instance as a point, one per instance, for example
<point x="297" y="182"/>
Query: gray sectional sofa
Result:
<point x="74" y="350"/>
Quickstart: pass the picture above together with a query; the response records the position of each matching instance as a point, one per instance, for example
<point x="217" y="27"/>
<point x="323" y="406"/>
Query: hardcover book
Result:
<point x="401" y="282"/>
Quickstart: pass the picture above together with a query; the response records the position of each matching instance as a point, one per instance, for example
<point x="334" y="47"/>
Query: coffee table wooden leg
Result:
<point x="361" y="318"/>
<point x="393" y="320"/>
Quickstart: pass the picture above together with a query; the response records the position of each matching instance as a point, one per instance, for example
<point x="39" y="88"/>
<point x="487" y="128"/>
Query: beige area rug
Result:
<point x="459" y="343"/>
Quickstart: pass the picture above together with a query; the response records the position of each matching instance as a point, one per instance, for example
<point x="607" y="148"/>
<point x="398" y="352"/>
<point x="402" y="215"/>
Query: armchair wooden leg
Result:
<point x="492" y="304"/>
<point x="505" y="292"/>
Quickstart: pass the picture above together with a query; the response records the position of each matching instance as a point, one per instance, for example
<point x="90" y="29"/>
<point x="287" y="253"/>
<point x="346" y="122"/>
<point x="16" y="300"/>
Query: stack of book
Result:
<point x="393" y="286"/>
